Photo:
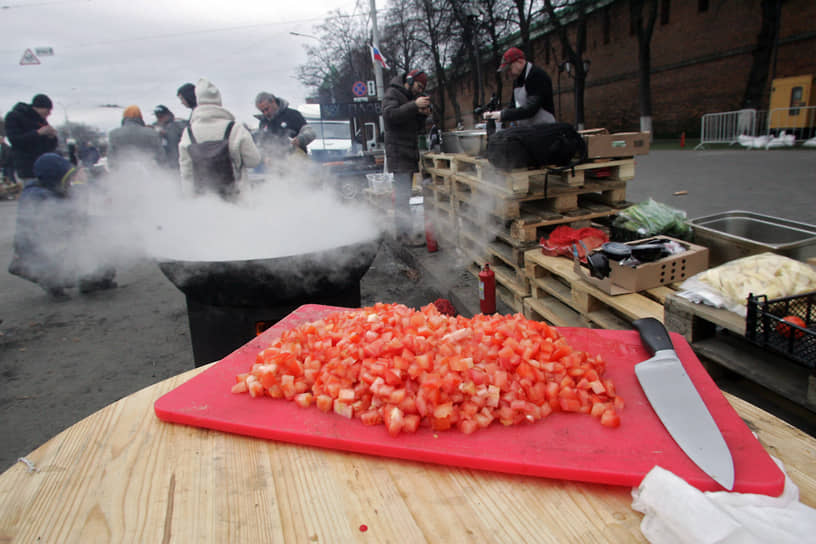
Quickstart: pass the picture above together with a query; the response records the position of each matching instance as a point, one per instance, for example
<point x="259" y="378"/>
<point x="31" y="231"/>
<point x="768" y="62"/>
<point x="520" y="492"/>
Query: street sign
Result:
<point x="29" y="58"/>
<point x="359" y="88"/>
<point x="372" y="88"/>
<point x="44" y="51"/>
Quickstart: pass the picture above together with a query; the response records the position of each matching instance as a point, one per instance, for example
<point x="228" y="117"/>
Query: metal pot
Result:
<point x="251" y="283"/>
<point x="472" y="142"/>
<point x="229" y="302"/>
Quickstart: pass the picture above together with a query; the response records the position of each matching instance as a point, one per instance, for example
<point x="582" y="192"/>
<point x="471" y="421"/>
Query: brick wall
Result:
<point x="700" y="64"/>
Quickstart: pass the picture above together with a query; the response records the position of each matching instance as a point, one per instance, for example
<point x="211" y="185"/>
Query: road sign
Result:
<point x="372" y="88"/>
<point x="44" y="51"/>
<point x="359" y="88"/>
<point x="29" y="58"/>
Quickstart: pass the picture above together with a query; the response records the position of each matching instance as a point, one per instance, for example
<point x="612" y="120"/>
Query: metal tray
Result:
<point x="734" y="234"/>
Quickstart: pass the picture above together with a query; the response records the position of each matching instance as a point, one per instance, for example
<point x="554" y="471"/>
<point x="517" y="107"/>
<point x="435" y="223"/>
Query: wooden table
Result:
<point x="122" y="475"/>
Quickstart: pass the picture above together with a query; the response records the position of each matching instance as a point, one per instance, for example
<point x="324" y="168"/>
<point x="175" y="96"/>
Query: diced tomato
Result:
<point x="393" y="365"/>
<point x="610" y="419"/>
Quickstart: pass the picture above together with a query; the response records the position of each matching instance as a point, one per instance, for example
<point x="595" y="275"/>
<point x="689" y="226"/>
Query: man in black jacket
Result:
<point x="404" y="110"/>
<point x="30" y="135"/>
<point x="281" y="126"/>
<point x="532" y="93"/>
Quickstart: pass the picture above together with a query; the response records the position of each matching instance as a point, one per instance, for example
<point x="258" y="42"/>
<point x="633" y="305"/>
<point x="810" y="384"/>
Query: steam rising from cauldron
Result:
<point x="141" y="214"/>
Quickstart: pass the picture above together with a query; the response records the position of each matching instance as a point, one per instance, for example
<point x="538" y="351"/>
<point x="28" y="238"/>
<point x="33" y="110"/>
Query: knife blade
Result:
<point x="679" y="406"/>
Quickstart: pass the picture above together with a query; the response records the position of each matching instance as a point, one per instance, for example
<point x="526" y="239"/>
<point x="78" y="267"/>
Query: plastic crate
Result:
<point x="380" y="183"/>
<point x="764" y="326"/>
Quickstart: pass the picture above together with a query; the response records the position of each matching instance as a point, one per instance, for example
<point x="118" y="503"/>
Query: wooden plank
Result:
<point x="774" y="372"/>
<point x="556" y="277"/>
<point x="553" y="312"/>
<point x="698" y="321"/>
<point x="615" y="170"/>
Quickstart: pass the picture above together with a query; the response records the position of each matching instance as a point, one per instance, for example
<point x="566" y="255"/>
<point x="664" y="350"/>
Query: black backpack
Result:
<point x="555" y="144"/>
<point x="212" y="166"/>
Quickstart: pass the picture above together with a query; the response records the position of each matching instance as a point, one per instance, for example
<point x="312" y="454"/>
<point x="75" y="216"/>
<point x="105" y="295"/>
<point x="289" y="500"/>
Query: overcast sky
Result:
<point x="140" y="51"/>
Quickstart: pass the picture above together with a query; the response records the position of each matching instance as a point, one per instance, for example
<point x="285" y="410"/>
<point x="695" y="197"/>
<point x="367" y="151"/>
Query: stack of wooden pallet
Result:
<point x="495" y="216"/>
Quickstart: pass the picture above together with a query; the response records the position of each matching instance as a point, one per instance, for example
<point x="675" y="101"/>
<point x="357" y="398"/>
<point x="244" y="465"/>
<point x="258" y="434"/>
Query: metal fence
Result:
<point x="753" y="129"/>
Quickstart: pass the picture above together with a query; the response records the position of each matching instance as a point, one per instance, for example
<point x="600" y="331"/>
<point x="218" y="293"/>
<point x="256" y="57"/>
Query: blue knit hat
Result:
<point x="53" y="171"/>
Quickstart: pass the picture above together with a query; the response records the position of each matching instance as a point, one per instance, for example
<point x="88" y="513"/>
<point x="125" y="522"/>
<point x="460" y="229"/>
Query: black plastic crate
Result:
<point x="764" y="326"/>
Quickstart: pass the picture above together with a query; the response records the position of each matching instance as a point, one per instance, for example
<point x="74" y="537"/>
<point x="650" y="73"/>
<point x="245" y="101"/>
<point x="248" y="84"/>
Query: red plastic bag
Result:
<point x="563" y="237"/>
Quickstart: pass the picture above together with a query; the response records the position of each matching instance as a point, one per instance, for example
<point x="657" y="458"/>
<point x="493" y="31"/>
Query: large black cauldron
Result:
<point x="229" y="302"/>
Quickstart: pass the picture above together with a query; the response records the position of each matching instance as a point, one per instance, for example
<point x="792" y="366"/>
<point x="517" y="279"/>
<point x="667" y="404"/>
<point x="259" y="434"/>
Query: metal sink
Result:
<point x="734" y="234"/>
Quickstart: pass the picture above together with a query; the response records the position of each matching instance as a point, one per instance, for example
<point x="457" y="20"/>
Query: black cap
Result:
<point x="161" y="109"/>
<point x="42" y="101"/>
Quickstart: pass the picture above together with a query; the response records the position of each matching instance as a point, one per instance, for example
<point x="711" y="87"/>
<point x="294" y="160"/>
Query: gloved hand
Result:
<point x="492" y="115"/>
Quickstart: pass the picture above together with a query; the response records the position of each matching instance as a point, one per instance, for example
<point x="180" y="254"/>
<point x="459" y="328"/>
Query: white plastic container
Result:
<point x="380" y="183"/>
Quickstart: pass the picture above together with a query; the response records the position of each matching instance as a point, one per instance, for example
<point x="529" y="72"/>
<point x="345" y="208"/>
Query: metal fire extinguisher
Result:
<point x="430" y="239"/>
<point x="487" y="291"/>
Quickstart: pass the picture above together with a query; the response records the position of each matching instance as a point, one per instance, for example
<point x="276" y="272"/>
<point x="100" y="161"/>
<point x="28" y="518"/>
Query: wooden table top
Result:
<point x="122" y="475"/>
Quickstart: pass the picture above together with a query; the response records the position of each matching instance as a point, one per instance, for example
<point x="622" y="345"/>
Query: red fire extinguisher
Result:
<point x="430" y="239"/>
<point x="487" y="291"/>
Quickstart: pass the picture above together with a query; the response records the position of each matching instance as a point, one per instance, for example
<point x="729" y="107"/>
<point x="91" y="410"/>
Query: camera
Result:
<point x="493" y="105"/>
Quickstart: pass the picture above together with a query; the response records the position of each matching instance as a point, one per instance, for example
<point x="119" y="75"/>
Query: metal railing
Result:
<point x="779" y="127"/>
<point x="726" y="127"/>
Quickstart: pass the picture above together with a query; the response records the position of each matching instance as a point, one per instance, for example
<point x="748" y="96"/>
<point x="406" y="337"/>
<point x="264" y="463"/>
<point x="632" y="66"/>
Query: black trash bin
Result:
<point x="230" y="302"/>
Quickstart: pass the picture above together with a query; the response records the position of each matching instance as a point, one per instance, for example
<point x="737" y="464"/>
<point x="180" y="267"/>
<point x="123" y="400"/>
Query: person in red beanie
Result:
<point x="405" y="107"/>
<point x="532" y="92"/>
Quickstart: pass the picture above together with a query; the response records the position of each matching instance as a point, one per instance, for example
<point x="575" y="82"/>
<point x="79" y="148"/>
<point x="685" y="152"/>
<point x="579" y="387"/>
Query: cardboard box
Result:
<point x="601" y="144"/>
<point x="671" y="269"/>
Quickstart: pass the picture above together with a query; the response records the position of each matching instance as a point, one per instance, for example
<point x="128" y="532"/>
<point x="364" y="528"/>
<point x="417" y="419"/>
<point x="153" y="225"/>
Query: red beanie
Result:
<point x="419" y="76"/>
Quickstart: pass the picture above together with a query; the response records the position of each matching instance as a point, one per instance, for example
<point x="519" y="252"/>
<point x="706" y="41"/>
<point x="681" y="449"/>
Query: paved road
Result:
<point x="60" y="362"/>
<point x="781" y="183"/>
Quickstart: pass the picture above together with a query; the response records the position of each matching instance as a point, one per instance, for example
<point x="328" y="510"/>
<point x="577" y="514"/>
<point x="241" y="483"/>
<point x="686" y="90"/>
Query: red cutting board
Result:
<point x="565" y="446"/>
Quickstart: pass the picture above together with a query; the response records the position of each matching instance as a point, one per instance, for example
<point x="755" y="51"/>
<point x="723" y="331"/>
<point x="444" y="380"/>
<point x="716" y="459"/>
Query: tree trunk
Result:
<point x="757" y="86"/>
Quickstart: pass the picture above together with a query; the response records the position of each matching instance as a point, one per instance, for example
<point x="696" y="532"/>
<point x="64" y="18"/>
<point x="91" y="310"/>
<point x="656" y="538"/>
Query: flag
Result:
<point x="376" y="56"/>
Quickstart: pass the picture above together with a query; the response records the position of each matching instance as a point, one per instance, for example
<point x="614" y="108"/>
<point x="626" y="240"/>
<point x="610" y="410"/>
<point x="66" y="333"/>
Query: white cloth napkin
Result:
<point x="676" y="512"/>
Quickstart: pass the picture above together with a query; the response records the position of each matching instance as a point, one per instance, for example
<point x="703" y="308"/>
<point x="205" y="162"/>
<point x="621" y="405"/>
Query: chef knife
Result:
<point x="679" y="406"/>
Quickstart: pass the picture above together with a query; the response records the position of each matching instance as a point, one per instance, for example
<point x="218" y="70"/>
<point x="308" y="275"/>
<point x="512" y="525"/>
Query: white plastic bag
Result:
<point x="728" y="285"/>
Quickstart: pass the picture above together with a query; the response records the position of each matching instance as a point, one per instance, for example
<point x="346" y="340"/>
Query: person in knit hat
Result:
<point x="30" y="135"/>
<point x="44" y="223"/>
<point x="404" y="109"/>
<point x="532" y="92"/>
<point x="49" y="225"/>
<point x="209" y="122"/>
<point x="133" y="143"/>
<point x="170" y="132"/>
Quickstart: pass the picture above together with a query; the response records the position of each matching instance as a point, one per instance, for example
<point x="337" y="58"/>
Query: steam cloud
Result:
<point x="140" y="213"/>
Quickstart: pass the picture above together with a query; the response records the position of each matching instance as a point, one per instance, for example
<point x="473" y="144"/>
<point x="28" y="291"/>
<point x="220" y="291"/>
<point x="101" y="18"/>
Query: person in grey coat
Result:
<point x="133" y="144"/>
<point x="170" y="131"/>
<point x="404" y="110"/>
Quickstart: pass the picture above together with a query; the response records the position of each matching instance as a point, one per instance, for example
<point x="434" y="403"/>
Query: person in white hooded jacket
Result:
<point x="208" y="122"/>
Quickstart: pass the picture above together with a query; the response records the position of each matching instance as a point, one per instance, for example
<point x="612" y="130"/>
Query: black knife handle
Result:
<point x="653" y="334"/>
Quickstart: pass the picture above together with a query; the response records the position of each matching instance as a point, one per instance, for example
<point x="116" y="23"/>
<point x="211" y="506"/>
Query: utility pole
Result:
<point x="378" y="75"/>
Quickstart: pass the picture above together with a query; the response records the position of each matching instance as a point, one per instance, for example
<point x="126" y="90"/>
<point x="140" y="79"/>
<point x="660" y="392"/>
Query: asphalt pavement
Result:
<point x="61" y="361"/>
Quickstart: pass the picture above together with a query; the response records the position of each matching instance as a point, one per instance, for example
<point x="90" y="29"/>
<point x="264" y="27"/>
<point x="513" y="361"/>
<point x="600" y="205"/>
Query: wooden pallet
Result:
<point x="597" y="169"/>
<point x="478" y="170"/>
<point x="718" y="338"/>
<point x="437" y="161"/>
<point x="554" y="198"/>
<point x="555" y="278"/>
<point x="533" y="224"/>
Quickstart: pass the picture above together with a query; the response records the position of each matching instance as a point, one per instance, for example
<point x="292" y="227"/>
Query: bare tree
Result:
<point x="525" y="10"/>
<point x="562" y="13"/>
<point x="644" y="27"/>
<point x="336" y="60"/>
<point x="764" y="54"/>
<point x="434" y="33"/>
